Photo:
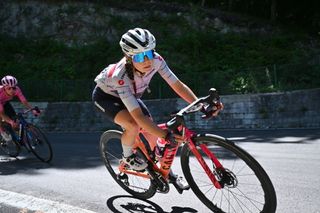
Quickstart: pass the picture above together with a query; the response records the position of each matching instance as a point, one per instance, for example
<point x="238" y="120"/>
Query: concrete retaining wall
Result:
<point x="297" y="109"/>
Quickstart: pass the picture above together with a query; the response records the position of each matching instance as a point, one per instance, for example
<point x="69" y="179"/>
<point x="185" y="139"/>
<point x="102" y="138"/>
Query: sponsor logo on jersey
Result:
<point x="121" y="82"/>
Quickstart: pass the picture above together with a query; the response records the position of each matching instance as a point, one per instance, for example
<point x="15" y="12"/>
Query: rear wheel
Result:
<point x="38" y="143"/>
<point x="10" y="147"/>
<point x="111" y="153"/>
<point x="246" y="187"/>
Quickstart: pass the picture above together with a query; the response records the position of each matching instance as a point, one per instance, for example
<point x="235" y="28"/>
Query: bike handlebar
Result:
<point x="204" y="104"/>
<point x="212" y="99"/>
<point x="29" y="110"/>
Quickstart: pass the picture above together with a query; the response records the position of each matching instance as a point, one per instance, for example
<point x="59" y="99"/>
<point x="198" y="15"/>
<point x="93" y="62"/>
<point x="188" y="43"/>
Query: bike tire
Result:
<point x="38" y="143"/>
<point x="11" y="148"/>
<point x="250" y="177"/>
<point x="111" y="153"/>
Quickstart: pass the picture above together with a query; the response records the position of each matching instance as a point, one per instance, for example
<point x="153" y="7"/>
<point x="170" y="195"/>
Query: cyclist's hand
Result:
<point x="36" y="111"/>
<point x="212" y="112"/>
<point x="217" y="108"/>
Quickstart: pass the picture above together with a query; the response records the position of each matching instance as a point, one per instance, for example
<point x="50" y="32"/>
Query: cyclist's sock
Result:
<point x="127" y="150"/>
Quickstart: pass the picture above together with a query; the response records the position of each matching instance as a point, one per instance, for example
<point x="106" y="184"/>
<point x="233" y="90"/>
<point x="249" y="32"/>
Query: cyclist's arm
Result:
<point x="27" y="104"/>
<point x="147" y="124"/>
<point x="22" y="98"/>
<point x="134" y="109"/>
<point x="180" y="88"/>
<point x="183" y="91"/>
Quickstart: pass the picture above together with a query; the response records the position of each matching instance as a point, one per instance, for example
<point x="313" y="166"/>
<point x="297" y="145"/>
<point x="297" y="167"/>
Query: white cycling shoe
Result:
<point x="179" y="182"/>
<point x="5" y="136"/>
<point x="182" y="183"/>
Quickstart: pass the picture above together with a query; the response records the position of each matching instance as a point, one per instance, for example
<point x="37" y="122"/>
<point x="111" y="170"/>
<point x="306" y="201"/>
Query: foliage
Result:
<point x="240" y="62"/>
<point x="294" y="13"/>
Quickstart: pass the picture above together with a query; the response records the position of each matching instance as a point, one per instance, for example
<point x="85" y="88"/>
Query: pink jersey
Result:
<point x="5" y="98"/>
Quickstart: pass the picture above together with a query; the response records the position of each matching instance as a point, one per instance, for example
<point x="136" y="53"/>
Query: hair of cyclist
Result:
<point x="129" y="68"/>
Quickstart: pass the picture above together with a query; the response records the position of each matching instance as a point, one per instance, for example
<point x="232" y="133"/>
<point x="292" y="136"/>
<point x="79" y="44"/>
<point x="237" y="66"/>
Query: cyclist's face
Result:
<point x="145" y="66"/>
<point x="10" y="90"/>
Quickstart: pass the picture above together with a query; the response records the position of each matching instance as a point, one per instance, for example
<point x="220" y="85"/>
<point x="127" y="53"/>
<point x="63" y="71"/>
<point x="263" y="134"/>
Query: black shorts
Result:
<point x="9" y="111"/>
<point x="111" y="105"/>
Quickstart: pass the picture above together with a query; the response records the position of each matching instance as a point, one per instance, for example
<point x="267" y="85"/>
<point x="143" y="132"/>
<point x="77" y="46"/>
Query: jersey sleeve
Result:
<point x="125" y="93"/>
<point x="20" y="95"/>
<point x="1" y="107"/>
<point x="166" y="72"/>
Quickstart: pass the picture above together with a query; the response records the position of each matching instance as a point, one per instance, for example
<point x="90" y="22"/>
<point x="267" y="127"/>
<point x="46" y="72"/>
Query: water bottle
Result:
<point x="160" y="147"/>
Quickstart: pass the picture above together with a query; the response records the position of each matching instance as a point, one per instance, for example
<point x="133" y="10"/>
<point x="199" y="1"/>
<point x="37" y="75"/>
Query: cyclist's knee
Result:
<point x="131" y="127"/>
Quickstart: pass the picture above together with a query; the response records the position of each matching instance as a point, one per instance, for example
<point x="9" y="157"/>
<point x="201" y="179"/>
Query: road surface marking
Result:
<point x="37" y="204"/>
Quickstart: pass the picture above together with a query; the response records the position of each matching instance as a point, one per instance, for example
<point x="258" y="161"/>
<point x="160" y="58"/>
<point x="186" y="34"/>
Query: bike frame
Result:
<point x="164" y="165"/>
<point x="22" y="124"/>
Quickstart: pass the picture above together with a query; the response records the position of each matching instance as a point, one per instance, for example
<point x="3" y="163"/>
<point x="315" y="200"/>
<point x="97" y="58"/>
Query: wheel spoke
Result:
<point x="243" y="190"/>
<point x="111" y="150"/>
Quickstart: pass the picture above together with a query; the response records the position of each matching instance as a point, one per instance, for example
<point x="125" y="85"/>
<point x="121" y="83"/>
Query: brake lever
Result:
<point x="207" y="111"/>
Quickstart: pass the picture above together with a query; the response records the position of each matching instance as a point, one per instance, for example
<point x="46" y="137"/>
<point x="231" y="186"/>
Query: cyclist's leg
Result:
<point x="9" y="110"/>
<point x="150" y="138"/>
<point x="131" y="131"/>
<point x="116" y="112"/>
<point x="131" y="128"/>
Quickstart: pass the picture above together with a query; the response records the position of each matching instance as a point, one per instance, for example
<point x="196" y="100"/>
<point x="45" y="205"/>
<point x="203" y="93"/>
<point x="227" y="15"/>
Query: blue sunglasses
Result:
<point x="139" y="58"/>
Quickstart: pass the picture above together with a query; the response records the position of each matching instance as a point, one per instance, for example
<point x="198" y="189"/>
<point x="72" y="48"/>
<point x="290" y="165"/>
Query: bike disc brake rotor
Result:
<point x="227" y="178"/>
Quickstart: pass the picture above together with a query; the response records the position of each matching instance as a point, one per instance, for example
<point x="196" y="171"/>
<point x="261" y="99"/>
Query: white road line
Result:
<point x="37" y="204"/>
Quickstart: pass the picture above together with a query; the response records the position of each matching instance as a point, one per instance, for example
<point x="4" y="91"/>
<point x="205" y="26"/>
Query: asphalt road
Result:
<point x="77" y="180"/>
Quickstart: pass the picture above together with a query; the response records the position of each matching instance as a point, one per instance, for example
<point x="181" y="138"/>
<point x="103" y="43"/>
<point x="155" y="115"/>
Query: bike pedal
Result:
<point x="172" y="179"/>
<point x="178" y="188"/>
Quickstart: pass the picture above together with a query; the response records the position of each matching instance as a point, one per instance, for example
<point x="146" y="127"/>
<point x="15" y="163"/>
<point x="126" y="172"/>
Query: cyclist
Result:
<point x="9" y="90"/>
<point x="120" y="86"/>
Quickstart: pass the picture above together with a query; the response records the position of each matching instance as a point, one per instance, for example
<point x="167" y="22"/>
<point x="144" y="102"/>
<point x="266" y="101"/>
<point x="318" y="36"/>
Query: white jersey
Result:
<point x="115" y="81"/>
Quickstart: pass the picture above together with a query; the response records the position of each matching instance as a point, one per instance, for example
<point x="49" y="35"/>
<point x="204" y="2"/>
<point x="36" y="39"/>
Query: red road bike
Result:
<point x="222" y="175"/>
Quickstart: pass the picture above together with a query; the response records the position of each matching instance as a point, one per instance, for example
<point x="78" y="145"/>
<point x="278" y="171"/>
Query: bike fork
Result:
<point x="204" y="164"/>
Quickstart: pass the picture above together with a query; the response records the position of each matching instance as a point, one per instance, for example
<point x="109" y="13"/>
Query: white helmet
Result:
<point x="9" y="81"/>
<point x="136" y="41"/>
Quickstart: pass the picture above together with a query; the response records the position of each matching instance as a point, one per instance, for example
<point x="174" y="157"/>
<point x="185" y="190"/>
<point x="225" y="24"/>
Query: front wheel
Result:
<point x="38" y="143"/>
<point x="111" y="153"/>
<point x="246" y="187"/>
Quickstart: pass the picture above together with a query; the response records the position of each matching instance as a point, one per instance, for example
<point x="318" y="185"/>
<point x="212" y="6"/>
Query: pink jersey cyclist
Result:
<point x="8" y="91"/>
<point x="4" y="97"/>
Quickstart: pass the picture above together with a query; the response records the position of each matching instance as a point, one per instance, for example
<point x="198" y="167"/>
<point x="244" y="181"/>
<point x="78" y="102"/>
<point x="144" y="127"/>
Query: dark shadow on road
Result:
<point x="126" y="203"/>
<point x="24" y="163"/>
<point x="294" y="136"/>
<point x="70" y="151"/>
